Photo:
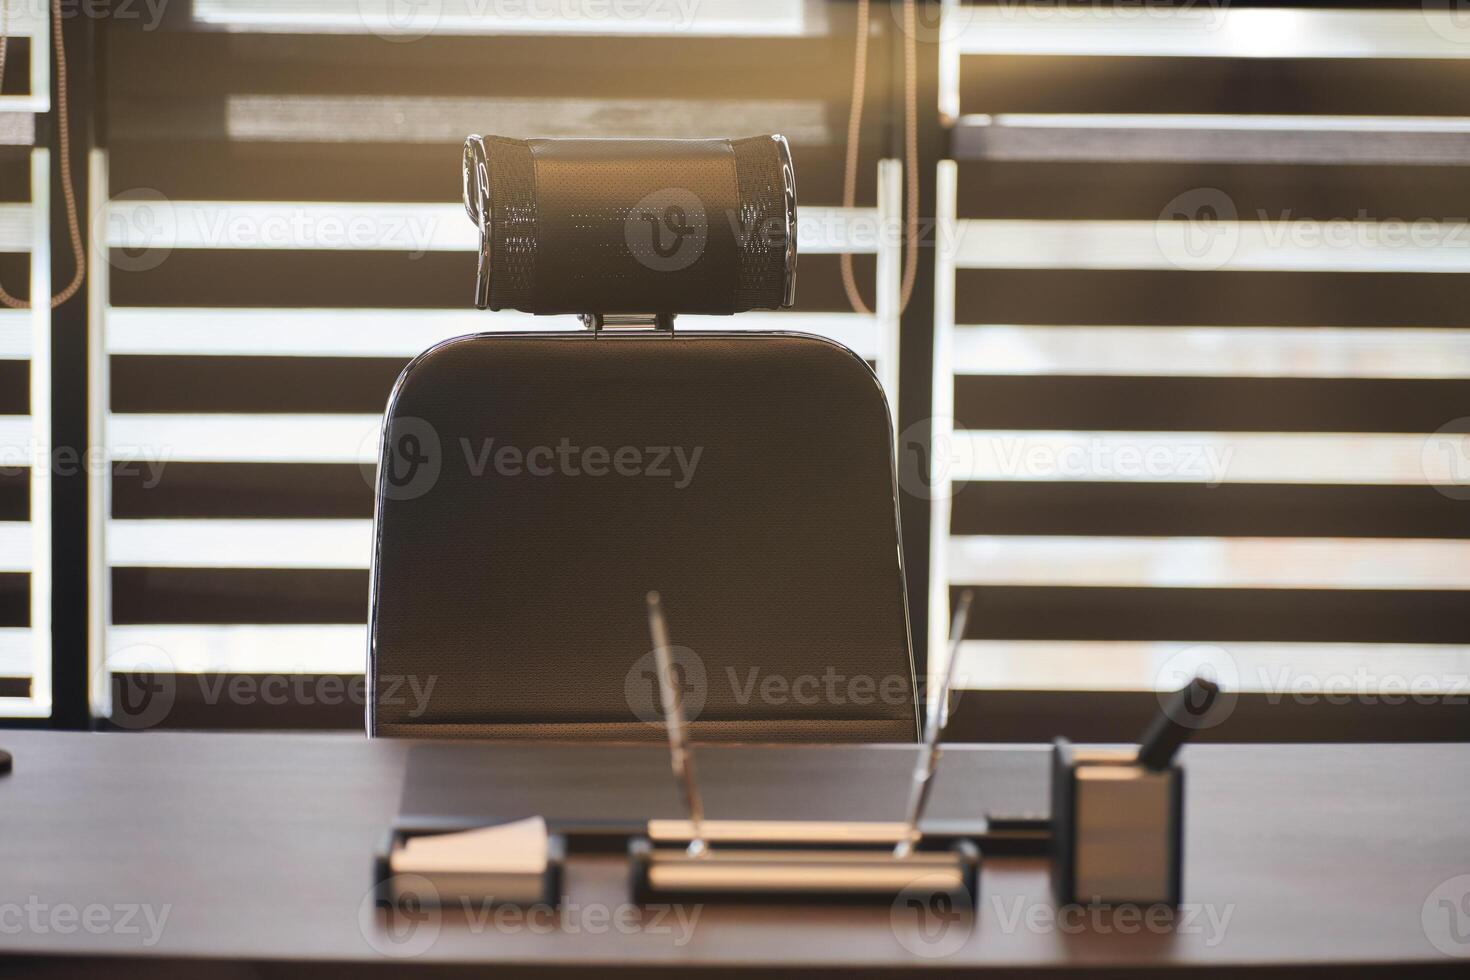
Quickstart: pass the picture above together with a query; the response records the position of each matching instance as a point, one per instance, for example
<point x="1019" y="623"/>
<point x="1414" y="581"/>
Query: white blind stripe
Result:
<point x="1283" y="669"/>
<point x="240" y="543"/>
<point x="1369" y="141"/>
<point x="305" y="332"/>
<point x="1284" y="244"/>
<point x="15" y="228"/>
<point x="724" y="18"/>
<point x="1220" y="121"/>
<point x="1207" y="31"/>
<point x="16" y="650"/>
<point x="1192" y="562"/>
<point x="163" y="439"/>
<point x="446" y="119"/>
<point x="26" y="707"/>
<point x="15" y="546"/>
<point x="27" y="19"/>
<point x="140" y="223"/>
<point x="191" y="649"/>
<point x="17" y="448"/>
<point x="398" y="333"/>
<point x="17" y="126"/>
<point x="15" y="334"/>
<point x="1255" y="352"/>
<point x="1206" y="457"/>
<point x="160" y="225"/>
<point x="1023" y="664"/>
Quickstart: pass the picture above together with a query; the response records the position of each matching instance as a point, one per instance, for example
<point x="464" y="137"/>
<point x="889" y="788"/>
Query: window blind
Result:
<point x="25" y="375"/>
<point x="283" y="234"/>
<point x="1201" y="348"/>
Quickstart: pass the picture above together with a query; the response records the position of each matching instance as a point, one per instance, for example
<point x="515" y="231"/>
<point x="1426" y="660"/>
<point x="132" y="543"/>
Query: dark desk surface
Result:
<point x="257" y="848"/>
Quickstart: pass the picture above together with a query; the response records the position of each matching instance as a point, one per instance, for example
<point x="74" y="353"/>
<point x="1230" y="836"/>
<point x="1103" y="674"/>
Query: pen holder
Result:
<point x="1117" y="828"/>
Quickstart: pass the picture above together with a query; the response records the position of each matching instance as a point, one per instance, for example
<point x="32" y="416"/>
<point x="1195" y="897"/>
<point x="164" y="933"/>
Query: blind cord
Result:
<point x="64" y="140"/>
<point x="910" y="150"/>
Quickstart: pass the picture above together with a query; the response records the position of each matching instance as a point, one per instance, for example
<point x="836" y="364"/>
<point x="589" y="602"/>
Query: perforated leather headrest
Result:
<point x="633" y="226"/>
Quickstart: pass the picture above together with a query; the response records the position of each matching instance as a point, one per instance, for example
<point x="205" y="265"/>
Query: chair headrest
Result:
<point x="618" y="226"/>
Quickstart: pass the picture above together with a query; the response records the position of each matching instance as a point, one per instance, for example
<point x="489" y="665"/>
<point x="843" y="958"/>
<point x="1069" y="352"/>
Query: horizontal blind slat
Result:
<point x="1219" y="614"/>
<point x="1197" y="562"/>
<point x="1197" y="510"/>
<point x="1210" y="404"/>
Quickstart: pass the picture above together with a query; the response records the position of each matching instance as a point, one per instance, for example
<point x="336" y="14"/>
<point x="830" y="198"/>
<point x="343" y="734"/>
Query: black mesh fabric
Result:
<point x="514" y="230"/>
<point x="636" y="226"/>
<point x="762" y="222"/>
<point x="517" y="598"/>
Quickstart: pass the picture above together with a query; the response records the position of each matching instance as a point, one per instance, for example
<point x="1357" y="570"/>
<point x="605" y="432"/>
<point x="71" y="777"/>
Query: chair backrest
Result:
<point x="535" y="488"/>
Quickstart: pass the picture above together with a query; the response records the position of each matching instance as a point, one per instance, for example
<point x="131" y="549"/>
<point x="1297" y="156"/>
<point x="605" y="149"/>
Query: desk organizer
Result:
<point x="1117" y="827"/>
<point x="802" y="868"/>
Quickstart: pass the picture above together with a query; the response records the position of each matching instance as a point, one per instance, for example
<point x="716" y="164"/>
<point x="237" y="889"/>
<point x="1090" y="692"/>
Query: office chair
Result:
<point x="532" y="488"/>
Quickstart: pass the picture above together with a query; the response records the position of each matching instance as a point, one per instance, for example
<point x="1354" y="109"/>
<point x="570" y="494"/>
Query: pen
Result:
<point x="671" y="693"/>
<point x="1180" y="716"/>
<point x="928" y="761"/>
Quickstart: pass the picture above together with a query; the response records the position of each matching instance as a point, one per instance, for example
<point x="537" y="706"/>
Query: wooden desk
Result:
<point x="256" y="848"/>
